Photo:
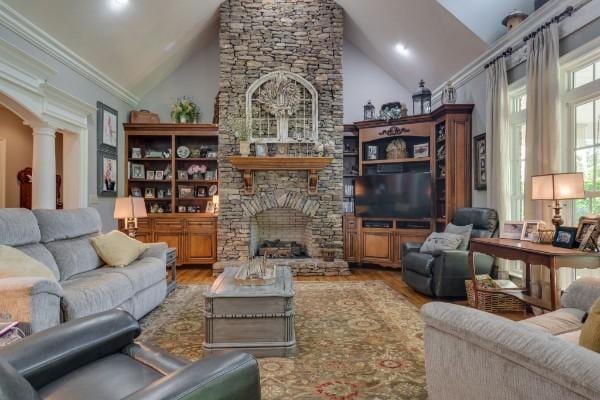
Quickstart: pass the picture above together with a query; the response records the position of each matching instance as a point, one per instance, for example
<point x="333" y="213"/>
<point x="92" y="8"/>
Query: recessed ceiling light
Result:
<point x="118" y="4"/>
<point x="402" y="49"/>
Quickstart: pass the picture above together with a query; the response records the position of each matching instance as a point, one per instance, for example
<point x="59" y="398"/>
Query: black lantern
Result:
<point x="369" y="110"/>
<point x="422" y="100"/>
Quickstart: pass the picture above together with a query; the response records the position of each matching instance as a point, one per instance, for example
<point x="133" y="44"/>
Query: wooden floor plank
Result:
<point x="203" y="275"/>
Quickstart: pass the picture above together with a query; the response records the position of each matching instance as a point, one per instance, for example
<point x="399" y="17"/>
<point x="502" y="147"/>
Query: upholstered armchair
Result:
<point x="444" y="275"/>
<point x="96" y="357"/>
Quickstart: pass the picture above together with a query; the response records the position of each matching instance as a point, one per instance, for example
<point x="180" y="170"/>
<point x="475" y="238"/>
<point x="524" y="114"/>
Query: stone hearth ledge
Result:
<point x="299" y="266"/>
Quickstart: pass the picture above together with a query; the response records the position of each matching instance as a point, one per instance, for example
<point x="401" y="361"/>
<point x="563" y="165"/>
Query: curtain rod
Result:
<point x="566" y="13"/>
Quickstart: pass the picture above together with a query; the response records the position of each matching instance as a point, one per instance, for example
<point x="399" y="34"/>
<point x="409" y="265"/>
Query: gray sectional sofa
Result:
<point x="470" y="354"/>
<point x="60" y="239"/>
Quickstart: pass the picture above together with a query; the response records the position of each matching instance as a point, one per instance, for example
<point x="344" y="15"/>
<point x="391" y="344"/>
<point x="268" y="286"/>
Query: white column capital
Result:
<point x="42" y="129"/>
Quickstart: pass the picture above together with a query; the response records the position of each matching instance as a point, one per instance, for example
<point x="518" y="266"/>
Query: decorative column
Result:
<point x="43" y="181"/>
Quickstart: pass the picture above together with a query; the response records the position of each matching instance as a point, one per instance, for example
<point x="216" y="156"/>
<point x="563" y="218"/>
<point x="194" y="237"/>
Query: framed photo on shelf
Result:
<point x="182" y="175"/>
<point x="138" y="171"/>
<point x="107" y="174"/>
<point x="530" y="229"/>
<point x="565" y="237"/>
<point x="511" y="229"/>
<point x="185" y="192"/>
<point x="421" y="150"/>
<point x="261" y="149"/>
<point x="136" y="192"/>
<point x="159" y="175"/>
<point x="210" y="207"/>
<point x="480" y="162"/>
<point x="372" y="152"/>
<point x="107" y="127"/>
<point x="150" y="175"/>
<point x="136" y="152"/>
<point x="201" y="191"/>
<point x="149" y="193"/>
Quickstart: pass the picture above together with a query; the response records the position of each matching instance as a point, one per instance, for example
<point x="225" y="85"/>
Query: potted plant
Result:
<point x="242" y="131"/>
<point x="184" y="111"/>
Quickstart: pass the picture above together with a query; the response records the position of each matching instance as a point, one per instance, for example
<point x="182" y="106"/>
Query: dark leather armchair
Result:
<point x="96" y="358"/>
<point x="444" y="275"/>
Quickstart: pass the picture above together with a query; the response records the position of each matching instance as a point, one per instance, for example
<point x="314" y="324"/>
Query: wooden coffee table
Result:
<point x="255" y="319"/>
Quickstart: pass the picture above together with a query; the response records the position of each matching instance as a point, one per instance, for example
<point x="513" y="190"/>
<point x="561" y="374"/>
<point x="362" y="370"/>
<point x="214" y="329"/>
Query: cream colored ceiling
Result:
<point x="146" y="40"/>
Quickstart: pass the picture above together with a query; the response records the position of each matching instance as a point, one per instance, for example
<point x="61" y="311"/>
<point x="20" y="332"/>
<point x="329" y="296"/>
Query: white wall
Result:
<point x="363" y="81"/>
<point x="76" y="85"/>
<point x="197" y="78"/>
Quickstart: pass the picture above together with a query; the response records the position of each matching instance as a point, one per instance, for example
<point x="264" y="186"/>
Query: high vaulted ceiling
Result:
<point x="141" y="43"/>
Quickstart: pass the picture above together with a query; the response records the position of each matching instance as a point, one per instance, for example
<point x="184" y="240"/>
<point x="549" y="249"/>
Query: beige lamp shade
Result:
<point x="557" y="186"/>
<point x="130" y="207"/>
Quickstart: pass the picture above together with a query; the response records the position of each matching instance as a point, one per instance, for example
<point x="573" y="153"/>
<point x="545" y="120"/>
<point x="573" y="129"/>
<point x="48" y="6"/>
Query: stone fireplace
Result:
<point x="303" y="38"/>
<point x="283" y="229"/>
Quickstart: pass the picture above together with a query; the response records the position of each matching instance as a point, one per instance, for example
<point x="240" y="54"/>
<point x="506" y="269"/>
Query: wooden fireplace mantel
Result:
<point x="250" y="164"/>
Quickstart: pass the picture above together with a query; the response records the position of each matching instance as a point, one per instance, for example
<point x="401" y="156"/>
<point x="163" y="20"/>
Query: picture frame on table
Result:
<point x="588" y="232"/>
<point x="107" y="128"/>
<point x="107" y="174"/>
<point x="530" y="230"/>
<point x="511" y="229"/>
<point x="261" y="149"/>
<point x="480" y="162"/>
<point x="138" y="171"/>
<point x="565" y="237"/>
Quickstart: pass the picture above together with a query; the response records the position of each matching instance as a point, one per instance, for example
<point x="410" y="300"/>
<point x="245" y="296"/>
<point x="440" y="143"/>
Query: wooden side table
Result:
<point x="530" y="253"/>
<point x="172" y="267"/>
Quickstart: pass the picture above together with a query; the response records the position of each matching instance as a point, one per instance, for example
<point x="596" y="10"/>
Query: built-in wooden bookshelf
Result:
<point x="182" y="204"/>
<point x="444" y="138"/>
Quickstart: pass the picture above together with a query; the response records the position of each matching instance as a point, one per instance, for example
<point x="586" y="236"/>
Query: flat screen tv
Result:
<point x="405" y="195"/>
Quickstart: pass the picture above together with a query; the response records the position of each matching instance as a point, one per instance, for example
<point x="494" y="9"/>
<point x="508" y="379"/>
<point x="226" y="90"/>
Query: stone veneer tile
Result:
<point x="257" y="37"/>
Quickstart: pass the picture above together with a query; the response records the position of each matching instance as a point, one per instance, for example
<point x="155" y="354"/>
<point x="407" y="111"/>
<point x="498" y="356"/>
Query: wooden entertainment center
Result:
<point x="439" y="143"/>
<point x="154" y="147"/>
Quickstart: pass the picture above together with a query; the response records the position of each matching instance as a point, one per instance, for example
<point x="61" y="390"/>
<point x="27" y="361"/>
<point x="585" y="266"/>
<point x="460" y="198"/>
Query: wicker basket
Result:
<point x="493" y="302"/>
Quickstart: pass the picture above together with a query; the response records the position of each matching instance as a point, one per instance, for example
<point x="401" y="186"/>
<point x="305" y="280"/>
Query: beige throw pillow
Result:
<point x="117" y="249"/>
<point x="437" y="242"/>
<point x="14" y="263"/>
<point x="590" y="331"/>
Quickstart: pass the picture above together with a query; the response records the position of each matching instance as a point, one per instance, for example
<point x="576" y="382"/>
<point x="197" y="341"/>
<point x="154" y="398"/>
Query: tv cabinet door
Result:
<point x="378" y="248"/>
<point x="351" y="246"/>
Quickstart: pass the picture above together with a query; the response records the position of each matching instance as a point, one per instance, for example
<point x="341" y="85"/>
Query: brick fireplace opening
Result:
<point x="282" y="228"/>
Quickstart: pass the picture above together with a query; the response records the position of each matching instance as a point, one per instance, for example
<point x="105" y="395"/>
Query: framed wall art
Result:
<point x="107" y="174"/>
<point x="108" y="128"/>
<point x="480" y="162"/>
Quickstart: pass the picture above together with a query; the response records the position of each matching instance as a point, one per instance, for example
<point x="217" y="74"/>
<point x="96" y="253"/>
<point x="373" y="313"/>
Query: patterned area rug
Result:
<point x="356" y="340"/>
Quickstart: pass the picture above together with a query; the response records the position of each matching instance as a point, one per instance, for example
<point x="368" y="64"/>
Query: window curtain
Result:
<point x="497" y="128"/>
<point x="543" y="140"/>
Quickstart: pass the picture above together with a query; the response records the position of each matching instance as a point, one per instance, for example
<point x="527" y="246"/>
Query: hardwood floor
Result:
<point x="203" y="275"/>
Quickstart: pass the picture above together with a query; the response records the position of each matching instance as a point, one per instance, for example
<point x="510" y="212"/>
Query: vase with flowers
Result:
<point x="184" y="111"/>
<point x="242" y="131"/>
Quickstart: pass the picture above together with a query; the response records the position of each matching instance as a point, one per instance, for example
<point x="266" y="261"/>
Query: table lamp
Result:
<point x="130" y="209"/>
<point x="556" y="187"/>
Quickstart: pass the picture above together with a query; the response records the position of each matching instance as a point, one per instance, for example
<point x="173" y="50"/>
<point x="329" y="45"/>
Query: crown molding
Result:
<point x="27" y="30"/>
<point x="514" y="38"/>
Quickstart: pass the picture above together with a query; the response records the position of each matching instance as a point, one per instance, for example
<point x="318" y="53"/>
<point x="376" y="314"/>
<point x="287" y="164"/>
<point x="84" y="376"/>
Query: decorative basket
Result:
<point x="546" y="236"/>
<point x="143" y="117"/>
<point x="493" y="302"/>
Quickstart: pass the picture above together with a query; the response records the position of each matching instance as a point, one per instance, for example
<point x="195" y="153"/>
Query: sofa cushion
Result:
<point x="67" y="224"/>
<point x="117" y="249"/>
<point x="74" y="256"/>
<point x="420" y="263"/>
<point x="572" y="337"/>
<point x="18" y="227"/>
<point x="94" y="291"/>
<point x="113" y="377"/>
<point x="42" y="254"/>
<point x="144" y="273"/>
<point x="437" y="242"/>
<point x="14" y="263"/>
<point x="557" y="322"/>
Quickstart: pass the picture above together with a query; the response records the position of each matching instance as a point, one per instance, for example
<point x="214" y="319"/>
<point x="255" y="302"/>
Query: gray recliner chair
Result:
<point x="96" y="358"/>
<point x="444" y="275"/>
